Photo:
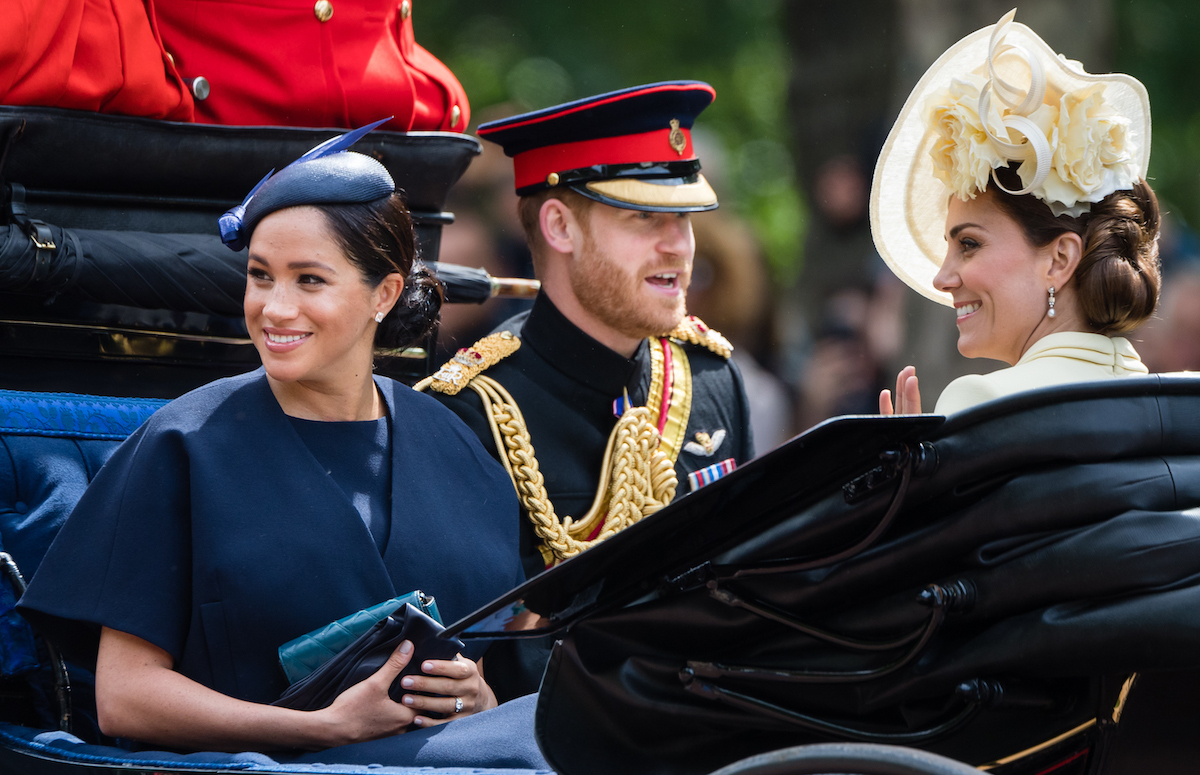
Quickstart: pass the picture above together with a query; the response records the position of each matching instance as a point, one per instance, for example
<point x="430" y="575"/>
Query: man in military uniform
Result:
<point x="606" y="401"/>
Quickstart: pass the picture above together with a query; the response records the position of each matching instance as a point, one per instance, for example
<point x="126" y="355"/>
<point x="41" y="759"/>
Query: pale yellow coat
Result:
<point x="1057" y="359"/>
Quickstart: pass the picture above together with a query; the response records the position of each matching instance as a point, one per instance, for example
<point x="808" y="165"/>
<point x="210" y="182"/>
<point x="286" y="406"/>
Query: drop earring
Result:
<point x="1051" y="313"/>
<point x="379" y="315"/>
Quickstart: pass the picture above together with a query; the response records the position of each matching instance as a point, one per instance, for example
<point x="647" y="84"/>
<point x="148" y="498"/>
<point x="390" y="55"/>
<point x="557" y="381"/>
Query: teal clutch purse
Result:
<point x="305" y="654"/>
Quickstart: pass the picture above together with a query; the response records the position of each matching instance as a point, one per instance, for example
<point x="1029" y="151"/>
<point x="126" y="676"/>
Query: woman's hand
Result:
<point x="139" y="695"/>
<point x="459" y="679"/>
<point x="908" y="394"/>
<point x="365" y="711"/>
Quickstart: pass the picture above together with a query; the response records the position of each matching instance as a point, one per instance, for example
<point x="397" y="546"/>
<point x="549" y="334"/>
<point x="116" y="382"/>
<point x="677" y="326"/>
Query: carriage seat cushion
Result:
<point x="51" y="446"/>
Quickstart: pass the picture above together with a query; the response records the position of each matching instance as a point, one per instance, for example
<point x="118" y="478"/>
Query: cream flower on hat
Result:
<point x="1093" y="152"/>
<point x="963" y="157"/>
<point x="998" y="96"/>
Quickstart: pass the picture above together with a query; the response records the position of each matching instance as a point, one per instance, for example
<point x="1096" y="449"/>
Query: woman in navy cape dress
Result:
<point x="215" y="534"/>
<point x="260" y="507"/>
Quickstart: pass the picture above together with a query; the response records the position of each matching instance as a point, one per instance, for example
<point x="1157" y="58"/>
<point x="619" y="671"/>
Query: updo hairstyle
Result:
<point x="377" y="238"/>
<point x="1118" y="278"/>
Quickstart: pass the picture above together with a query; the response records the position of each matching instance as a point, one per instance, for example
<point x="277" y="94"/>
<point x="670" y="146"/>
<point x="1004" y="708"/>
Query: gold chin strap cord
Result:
<point x="637" y="477"/>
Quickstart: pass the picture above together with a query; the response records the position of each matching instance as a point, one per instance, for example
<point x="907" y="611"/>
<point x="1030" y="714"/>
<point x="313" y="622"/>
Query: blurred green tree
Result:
<point x="1157" y="41"/>
<point x="532" y="54"/>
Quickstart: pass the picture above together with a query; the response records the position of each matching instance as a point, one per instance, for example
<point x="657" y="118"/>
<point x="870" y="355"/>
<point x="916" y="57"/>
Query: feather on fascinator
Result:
<point x="1001" y="95"/>
<point x="327" y="174"/>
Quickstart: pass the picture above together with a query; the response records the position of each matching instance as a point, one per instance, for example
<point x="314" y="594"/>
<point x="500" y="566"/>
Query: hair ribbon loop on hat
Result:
<point x="230" y="224"/>
<point x="1019" y="103"/>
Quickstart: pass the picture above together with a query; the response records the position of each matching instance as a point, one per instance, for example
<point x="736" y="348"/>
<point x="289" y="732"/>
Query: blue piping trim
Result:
<point x="132" y="762"/>
<point x="72" y="415"/>
<point x="18" y="743"/>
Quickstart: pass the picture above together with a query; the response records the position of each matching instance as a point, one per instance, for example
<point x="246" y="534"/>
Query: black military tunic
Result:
<point x="565" y="384"/>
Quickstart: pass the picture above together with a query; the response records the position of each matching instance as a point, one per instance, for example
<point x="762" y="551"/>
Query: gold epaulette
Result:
<point x="693" y="331"/>
<point x="470" y="362"/>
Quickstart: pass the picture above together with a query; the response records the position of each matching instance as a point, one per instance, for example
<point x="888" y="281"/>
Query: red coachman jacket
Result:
<point x="334" y="63"/>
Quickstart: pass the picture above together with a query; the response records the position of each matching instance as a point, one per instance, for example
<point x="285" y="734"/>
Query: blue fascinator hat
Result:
<point x="328" y="174"/>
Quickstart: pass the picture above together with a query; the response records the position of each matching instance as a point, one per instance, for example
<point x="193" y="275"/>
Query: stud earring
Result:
<point x="379" y="315"/>
<point x="1051" y="312"/>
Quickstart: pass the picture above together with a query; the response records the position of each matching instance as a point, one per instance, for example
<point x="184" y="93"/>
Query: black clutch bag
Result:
<point x="301" y="656"/>
<point x="362" y="658"/>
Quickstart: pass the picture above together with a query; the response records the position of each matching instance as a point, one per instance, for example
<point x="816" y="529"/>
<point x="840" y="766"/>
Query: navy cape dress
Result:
<point x="214" y="534"/>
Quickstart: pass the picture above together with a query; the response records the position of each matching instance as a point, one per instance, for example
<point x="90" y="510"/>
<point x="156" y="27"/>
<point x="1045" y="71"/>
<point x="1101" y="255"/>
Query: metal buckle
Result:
<point x="35" y="230"/>
<point x="41" y="245"/>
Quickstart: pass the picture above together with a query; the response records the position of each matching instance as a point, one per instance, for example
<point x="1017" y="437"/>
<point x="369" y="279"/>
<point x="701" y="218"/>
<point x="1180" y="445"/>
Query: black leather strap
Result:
<point x="38" y="232"/>
<point x="8" y="135"/>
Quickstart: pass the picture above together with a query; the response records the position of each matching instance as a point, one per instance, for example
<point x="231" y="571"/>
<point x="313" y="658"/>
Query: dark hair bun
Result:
<point x="379" y="240"/>
<point x="1118" y="278"/>
<point x="415" y="313"/>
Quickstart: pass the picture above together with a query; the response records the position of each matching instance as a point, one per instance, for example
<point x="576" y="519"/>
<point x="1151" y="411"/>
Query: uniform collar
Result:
<point x="562" y="344"/>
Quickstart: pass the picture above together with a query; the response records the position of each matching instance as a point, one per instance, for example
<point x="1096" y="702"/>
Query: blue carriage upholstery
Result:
<point x="51" y="446"/>
<point x="42" y="752"/>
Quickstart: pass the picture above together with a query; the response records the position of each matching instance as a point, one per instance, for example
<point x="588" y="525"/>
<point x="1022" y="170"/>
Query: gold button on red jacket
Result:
<point x="283" y="63"/>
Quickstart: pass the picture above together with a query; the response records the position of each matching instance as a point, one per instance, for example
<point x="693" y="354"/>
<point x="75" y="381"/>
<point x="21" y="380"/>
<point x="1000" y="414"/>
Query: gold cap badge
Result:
<point x="676" y="139"/>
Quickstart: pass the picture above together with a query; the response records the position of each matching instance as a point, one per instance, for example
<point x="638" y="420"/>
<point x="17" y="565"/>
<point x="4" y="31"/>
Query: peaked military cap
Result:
<point x="630" y="148"/>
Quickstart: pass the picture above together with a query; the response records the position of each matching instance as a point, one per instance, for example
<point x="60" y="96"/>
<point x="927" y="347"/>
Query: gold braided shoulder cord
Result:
<point x="636" y="479"/>
<point x="637" y="476"/>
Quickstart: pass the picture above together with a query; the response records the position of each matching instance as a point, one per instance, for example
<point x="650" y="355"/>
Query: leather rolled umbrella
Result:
<point x="180" y="272"/>
<point x="470" y="285"/>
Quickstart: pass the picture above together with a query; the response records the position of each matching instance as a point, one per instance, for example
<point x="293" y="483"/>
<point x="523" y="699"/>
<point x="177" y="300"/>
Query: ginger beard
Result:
<point x="638" y="301"/>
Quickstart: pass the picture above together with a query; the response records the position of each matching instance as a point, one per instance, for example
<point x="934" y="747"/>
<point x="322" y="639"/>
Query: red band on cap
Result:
<point x="534" y="165"/>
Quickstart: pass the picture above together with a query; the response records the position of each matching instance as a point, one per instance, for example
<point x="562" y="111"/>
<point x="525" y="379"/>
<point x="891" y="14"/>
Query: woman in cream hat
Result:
<point x="1012" y="187"/>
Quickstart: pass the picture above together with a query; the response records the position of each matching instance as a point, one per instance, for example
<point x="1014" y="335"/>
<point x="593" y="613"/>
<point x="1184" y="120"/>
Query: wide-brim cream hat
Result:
<point x="909" y="199"/>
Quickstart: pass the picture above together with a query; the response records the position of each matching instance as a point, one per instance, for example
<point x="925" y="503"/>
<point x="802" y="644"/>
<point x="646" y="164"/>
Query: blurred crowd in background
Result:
<point x="806" y="93"/>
